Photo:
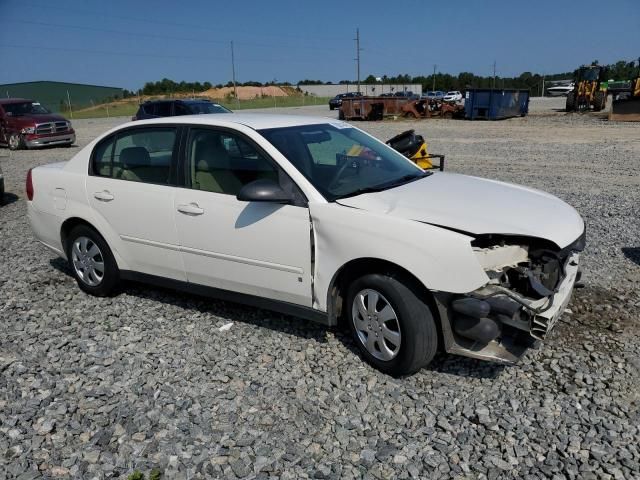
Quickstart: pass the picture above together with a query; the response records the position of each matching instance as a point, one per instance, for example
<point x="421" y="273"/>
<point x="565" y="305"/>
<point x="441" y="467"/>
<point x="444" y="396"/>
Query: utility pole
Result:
<point x="433" y="88"/>
<point x="542" y="92"/>
<point x="233" y="74"/>
<point x="357" y="39"/>
<point x="494" y="74"/>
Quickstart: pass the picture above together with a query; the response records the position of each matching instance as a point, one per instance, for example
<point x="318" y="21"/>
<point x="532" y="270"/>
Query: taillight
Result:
<point x="29" y="186"/>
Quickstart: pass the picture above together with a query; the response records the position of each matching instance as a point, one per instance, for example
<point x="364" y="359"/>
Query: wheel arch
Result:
<point x="70" y="223"/>
<point x="358" y="267"/>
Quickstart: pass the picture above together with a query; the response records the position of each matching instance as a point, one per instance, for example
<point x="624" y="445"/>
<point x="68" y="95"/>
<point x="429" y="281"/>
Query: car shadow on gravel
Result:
<point x="632" y="253"/>
<point x="443" y="363"/>
<point x="223" y="309"/>
<point x="9" y="198"/>
<point x="465" y="367"/>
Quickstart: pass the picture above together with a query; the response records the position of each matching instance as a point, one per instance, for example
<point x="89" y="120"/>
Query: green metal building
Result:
<point x="56" y="96"/>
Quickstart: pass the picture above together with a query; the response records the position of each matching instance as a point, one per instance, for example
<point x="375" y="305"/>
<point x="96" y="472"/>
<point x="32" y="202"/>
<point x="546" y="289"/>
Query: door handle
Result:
<point x="190" y="209"/>
<point x="103" y="196"/>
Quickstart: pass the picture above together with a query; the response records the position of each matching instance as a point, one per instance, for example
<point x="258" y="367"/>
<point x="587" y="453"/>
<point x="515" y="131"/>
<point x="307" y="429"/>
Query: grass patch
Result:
<point x="129" y="109"/>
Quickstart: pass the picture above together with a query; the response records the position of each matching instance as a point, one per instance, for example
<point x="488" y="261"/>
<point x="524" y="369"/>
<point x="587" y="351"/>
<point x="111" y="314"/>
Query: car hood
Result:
<point x="33" y="119"/>
<point x="477" y="206"/>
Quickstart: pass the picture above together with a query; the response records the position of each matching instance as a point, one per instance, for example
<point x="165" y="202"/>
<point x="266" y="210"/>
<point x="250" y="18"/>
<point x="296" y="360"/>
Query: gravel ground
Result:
<point x="97" y="388"/>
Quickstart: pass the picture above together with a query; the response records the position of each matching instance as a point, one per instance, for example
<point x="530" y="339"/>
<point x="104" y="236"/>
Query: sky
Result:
<point x="125" y="43"/>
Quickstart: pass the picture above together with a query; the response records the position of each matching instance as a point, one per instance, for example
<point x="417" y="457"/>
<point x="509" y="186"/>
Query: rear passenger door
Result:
<point x="131" y="185"/>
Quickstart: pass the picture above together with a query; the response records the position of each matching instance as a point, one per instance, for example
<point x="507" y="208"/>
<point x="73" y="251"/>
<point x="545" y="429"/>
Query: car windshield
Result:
<point x="24" y="108"/>
<point x="341" y="161"/>
<point x="206" y="107"/>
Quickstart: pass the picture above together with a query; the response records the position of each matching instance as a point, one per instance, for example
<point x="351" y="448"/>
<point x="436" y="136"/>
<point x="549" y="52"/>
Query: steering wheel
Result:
<point x="353" y="161"/>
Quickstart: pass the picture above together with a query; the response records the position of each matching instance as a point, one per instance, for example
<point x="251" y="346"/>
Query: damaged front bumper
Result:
<point x="500" y="325"/>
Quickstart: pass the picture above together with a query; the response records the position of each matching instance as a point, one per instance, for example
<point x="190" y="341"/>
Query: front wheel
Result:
<point x="92" y="262"/>
<point x="16" y="142"/>
<point x="599" y="101"/>
<point x="392" y="326"/>
<point x="570" y="105"/>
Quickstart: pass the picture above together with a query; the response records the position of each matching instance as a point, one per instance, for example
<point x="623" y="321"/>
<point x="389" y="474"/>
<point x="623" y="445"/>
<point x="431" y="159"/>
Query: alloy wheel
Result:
<point x="376" y="324"/>
<point x="88" y="261"/>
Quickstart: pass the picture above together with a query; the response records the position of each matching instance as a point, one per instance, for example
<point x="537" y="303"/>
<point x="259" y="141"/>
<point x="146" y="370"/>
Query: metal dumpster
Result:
<point x="494" y="104"/>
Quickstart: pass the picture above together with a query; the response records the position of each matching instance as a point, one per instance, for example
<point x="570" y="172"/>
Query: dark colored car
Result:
<point x="407" y="94"/>
<point x="172" y="108"/>
<point x="27" y="124"/>
<point x="336" y="101"/>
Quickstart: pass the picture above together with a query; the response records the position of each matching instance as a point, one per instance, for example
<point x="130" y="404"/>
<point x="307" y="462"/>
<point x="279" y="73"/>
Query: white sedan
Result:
<point x="317" y="219"/>
<point x="453" y="96"/>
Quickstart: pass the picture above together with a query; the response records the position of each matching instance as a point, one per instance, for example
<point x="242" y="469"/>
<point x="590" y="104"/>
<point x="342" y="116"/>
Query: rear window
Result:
<point x="141" y="155"/>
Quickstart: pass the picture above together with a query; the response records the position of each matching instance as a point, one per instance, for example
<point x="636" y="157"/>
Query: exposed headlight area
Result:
<point x="530" y="284"/>
<point x="28" y="130"/>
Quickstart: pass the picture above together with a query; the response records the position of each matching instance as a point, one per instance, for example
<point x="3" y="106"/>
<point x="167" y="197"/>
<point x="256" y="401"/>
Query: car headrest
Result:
<point x="210" y="154"/>
<point x="135" y="157"/>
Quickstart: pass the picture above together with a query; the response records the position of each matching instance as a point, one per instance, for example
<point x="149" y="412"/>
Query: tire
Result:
<point x="331" y="107"/>
<point x="571" y="102"/>
<point x="85" y="266"/>
<point x="340" y="115"/>
<point x="16" y="142"/>
<point x="409" y="322"/>
<point x="599" y="99"/>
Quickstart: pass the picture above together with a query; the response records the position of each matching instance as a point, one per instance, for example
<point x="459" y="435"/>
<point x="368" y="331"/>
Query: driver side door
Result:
<point x="256" y="248"/>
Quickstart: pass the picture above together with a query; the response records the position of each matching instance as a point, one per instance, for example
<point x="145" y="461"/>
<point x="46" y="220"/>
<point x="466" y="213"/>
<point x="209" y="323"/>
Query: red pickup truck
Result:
<point x="27" y="124"/>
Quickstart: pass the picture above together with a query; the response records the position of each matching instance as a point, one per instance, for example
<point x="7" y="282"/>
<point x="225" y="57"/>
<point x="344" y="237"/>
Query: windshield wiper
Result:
<point x="385" y="186"/>
<point x="406" y="179"/>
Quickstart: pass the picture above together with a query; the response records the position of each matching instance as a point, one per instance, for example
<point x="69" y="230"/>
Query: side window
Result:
<point x="141" y="155"/>
<point x="102" y="164"/>
<point x="180" y="109"/>
<point x="223" y="163"/>
<point x="162" y="109"/>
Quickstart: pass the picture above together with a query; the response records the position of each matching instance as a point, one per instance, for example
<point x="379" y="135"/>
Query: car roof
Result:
<point x="8" y="101"/>
<point x="181" y="100"/>
<point x="257" y="121"/>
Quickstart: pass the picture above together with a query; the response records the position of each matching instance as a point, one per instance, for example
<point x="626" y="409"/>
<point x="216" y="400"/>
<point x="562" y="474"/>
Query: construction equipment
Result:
<point x="428" y="108"/>
<point x="626" y="102"/>
<point x="414" y="148"/>
<point x="590" y="90"/>
<point x="376" y="108"/>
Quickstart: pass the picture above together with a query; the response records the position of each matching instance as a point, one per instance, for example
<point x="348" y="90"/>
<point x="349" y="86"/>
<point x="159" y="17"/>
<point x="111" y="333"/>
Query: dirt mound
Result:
<point x="246" y="93"/>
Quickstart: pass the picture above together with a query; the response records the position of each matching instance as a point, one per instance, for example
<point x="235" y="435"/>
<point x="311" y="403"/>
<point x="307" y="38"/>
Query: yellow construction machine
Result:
<point x="626" y="102"/>
<point x="590" y="90"/>
<point x="414" y="148"/>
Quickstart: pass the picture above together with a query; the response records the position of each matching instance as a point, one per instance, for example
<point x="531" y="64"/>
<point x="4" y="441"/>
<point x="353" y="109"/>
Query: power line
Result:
<point x="163" y="37"/>
<point x="107" y="52"/>
<point x="35" y="5"/>
<point x="144" y="54"/>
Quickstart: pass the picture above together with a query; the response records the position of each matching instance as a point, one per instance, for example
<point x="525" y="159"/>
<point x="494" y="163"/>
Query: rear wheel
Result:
<point x="340" y="115"/>
<point x="92" y="262"/>
<point x="571" y="102"/>
<point x="392" y="326"/>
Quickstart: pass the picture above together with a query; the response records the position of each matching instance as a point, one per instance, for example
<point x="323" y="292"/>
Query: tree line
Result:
<point x="621" y="70"/>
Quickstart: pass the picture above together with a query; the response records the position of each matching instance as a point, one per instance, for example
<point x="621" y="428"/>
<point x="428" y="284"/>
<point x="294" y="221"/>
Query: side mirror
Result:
<point x="263" y="190"/>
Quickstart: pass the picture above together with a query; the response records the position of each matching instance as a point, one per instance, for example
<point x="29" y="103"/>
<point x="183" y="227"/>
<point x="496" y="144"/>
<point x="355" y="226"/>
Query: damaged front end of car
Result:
<point x="530" y="284"/>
